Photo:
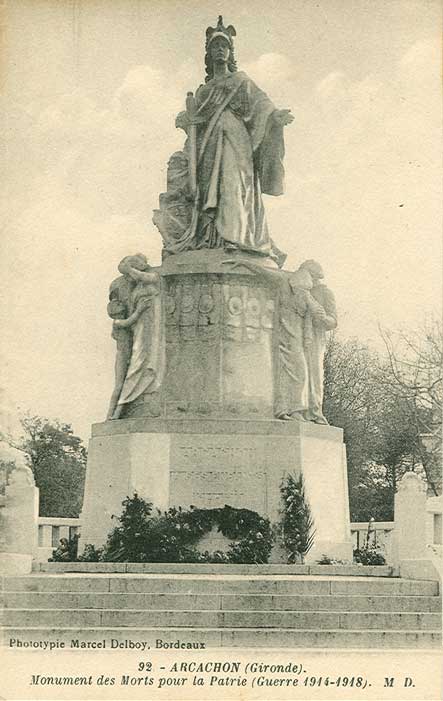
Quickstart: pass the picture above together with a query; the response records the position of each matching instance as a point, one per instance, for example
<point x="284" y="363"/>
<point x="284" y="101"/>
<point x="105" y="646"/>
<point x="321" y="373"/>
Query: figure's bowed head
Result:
<point x="301" y="279"/>
<point x="314" y="269"/>
<point x="129" y="263"/>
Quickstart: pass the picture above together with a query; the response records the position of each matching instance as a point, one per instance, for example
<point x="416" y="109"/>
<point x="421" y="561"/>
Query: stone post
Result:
<point x="19" y="519"/>
<point x="46" y="541"/>
<point x="410" y="518"/>
<point x="410" y="514"/>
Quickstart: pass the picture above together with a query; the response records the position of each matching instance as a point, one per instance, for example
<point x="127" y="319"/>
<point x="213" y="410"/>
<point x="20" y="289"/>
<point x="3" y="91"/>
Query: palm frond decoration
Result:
<point x="297" y="523"/>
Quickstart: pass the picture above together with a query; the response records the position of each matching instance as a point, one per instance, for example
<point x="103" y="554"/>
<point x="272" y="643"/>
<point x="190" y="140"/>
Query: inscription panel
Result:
<point x="216" y="455"/>
<point x="210" y="489"/>
<point x="213" y="470"/>
<point x="217" y="451"/>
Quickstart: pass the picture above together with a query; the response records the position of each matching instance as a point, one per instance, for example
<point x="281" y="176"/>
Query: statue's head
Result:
<point x="139" y="262"/>
<point x="301" y="279"/>
<point x="314" y="268"/>
<point x="219" y="47"/>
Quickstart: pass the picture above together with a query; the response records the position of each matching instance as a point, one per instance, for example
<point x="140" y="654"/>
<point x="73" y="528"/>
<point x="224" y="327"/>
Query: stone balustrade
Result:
<point x="50" y="530"/>
<point x="381" y="533"/>
<point x="434" y="525"/>
<point x="376" y="534"/>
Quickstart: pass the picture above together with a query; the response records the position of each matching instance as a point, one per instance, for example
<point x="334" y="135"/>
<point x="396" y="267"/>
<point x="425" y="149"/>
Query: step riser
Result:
<point x="391" y="587"/>
<point x="236" y="638"/>
<point x="222" y="569"/>
<point x="221" y="619"/>
<point x="187" y="602"/>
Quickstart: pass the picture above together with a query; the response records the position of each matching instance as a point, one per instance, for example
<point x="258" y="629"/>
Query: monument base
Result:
<point x="210" y="463"/>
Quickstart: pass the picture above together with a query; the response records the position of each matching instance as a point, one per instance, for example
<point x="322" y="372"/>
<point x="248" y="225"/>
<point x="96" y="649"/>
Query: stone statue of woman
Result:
<point x="120" y="308"/>
<point x="297" y="310"/>
<point x="323" y="321"/>
<point x="139" y="333"/>
<point x="233" y="154"/>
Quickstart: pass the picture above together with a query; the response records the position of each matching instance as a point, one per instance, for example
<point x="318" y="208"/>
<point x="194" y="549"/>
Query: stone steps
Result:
<point x="130" y="618"/>
<point x="239" y="610"/>
<point x="195" y="638"/>
<point x="208" y="602"/>
<point x="165" y="568"/>
<point x="235" y="585"/>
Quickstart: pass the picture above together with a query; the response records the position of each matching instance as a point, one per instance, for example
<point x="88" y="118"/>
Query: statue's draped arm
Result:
<point x="142" y="304"/>
<point x="267" y="140"/>
<point x="327" y="317"/>
<point x="256" y="111"/>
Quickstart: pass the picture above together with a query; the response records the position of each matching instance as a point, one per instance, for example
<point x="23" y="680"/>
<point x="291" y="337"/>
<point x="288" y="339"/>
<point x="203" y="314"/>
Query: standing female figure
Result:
<point x="235" y="153"/>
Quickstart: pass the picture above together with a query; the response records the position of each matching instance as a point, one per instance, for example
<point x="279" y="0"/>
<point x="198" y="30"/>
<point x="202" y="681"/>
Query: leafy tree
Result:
<point x="57" y="458"/>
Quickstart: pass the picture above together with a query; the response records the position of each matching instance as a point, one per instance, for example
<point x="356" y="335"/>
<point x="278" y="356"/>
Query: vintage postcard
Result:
<point x="220" y="418"/>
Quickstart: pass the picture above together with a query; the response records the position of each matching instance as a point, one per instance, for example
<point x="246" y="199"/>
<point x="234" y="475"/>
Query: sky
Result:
<point x="90" y="91"/>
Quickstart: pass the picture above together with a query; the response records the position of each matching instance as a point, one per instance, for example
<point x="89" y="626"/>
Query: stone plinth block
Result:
<point x="208" y="463"/>
<point x="410" y="518"/>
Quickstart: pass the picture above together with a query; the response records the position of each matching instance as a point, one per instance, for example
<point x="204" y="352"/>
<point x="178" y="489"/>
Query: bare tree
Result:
<point x="415" y="376"/>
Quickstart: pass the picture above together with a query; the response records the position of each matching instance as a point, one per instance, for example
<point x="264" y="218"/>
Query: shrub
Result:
<point x="369" y="556"/>
<point x="326" y="560"/>
<point x="173" y="536"/>
<point x="91" y="554"/>
<point x="297" y="523"/>
<point x="66" y="551"/>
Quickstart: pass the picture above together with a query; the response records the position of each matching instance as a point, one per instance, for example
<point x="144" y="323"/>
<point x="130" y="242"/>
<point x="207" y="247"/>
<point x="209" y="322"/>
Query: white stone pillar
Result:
<point x="19" y="523"/>
<point x="46" y="537"/>
<point x="410" y="518"/>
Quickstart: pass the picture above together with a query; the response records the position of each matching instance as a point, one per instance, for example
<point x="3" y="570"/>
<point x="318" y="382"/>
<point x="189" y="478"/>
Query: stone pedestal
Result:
<point x="209" y="463"/>
<point x="220" y="337"/>
<point x="208" y="437"/>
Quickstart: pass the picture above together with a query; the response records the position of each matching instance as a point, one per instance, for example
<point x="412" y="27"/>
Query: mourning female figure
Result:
<point x="298" y="311"/>
<point x="135" y="306"/>
<point x="315" y="351"/>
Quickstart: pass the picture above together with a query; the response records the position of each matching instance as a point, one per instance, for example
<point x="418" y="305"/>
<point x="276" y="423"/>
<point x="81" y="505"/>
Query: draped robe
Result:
<point x="147" y="365"/>
<point x="315" y="353"/>
<point x="240" y="152"/>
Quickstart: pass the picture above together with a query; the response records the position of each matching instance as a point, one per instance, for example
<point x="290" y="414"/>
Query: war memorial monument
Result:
<point x="217" y="402"/>
<point x="219" y="350"/>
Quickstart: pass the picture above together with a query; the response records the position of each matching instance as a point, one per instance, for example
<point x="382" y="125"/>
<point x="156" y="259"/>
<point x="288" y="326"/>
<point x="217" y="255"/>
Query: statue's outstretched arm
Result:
<point x="282" y="117"/>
